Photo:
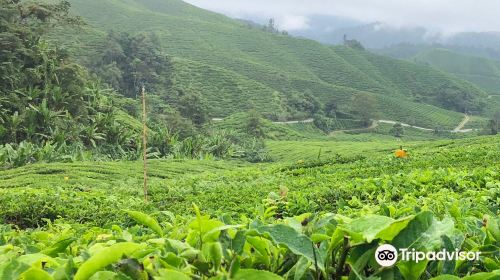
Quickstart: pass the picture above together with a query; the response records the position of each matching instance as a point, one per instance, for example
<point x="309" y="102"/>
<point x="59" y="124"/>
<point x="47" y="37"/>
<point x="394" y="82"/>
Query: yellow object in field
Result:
<point x="401" y="153"/>
<point x="66" y="178"/>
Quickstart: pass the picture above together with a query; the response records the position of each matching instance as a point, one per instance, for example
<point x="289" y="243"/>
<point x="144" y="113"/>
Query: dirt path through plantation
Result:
<point x="460" y="126"/>
<point x="295" y="122"/>
<point x="375" y="123"/>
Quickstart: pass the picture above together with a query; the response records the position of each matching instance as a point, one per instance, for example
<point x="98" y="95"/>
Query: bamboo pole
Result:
<point x="144" y="143"/>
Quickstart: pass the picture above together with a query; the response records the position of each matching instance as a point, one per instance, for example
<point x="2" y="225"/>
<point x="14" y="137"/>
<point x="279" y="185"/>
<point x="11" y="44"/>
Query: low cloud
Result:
<point x="292" y="22"/>
<point x="440" y="15"/>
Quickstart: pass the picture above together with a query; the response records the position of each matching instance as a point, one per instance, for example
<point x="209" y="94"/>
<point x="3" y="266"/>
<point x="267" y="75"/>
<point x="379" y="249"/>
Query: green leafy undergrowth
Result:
<point x="309" y="246"/>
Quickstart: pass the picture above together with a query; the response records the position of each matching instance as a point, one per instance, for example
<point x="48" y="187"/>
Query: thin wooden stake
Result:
<point x="144" y="143"/>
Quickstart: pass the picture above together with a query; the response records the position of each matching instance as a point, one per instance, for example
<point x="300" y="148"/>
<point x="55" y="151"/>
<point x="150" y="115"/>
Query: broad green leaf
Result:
<point x="253" y="274"/>
<point x="37" y="259"/>
<point x="423" y="232"/>
<point x="104" y="275"/>
<point x="359" y="258"/>
<point x="132" y="268"/>
<point x="495" y="275"/>
<point x="216" y="255"/>
<point x="171" y="260"/>
<point x="65" y="270"/>
<point x="204" y="224"/>
<point x="386" y="274"/>
<point x="394" y="229"/>
<point x="200" y="226"/>
<point x="412" y="270"/>
<point x="146" y="220"/>
<point x="12" y="270"/>
<point x="213" y="234"/>
<point x="167" y="274"/>
<point x="104" y="258"/>
<point x="58" y="247"/>
<point x="491" y="264"/>
<point x="238" y="243"/>
<point x="182" y="249"/>
<point x="448" y="265"/>
<point x="492" y="229"/>
<point x="213" y="251"/>
<point x="371" y="227"/>
<point x="318" y="238"/>
<point x="36" y="274"/>
<point x="367" y="227"/>
<point x="446" y="277"/>
<point x="262" y="246"/>
<point x="300" y="268"/>
<point x="235" y="266"/>
<point x="298" y="243"/>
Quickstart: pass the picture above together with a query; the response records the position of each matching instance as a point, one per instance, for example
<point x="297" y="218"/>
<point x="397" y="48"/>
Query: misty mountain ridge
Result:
<point x="331" y="30"/>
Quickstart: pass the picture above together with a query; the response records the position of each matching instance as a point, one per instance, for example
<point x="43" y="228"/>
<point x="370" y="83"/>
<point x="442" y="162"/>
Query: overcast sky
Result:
<point x="437" y="15"/>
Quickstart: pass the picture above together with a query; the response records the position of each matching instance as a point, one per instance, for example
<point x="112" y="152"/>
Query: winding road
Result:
<point x="375" y="123"/>
<point x="460" y="127"/>
<point x="295" y="122"/>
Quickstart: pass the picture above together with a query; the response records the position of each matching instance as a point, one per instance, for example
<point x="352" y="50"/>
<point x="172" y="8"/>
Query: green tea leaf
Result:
<point x="168" y="274"/>
<point x="104" y="275"/>
<point x="297" y="243"/>
<point x="58" y="247"/>
<point x="423" y="232"/>
<point x="412" y="270"/>
<point x="371" y="227"/>
<point x="213" y="252"/>
<point x="253" y="274"/>
<point x="36" y="274"/>
<point x="446" y="277"/>
<point x="495" y="275"/>
<point x="146" y="220"/>
<point x="367" y="227"/>
<point x="104" y="258"/>
<point x="12" y="270"/>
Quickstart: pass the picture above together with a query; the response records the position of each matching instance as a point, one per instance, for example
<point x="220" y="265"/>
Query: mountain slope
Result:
<point x="470" y="65"/>
<point x="237" y="67"/>
<point x="481" y="71"/>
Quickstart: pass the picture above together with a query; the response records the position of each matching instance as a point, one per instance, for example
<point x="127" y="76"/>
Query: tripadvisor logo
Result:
<point x="387" y="255"/>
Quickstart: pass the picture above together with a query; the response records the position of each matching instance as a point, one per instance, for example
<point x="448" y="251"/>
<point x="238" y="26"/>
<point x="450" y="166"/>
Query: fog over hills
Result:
<point x="380" y="24"/>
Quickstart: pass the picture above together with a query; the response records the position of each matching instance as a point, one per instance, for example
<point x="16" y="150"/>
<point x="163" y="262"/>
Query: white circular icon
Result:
<point x="386" y="255"/>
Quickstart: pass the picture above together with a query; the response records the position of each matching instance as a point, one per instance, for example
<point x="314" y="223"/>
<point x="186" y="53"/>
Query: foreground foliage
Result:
<point x="321" y="246"/>
<point x="324" y="222"/>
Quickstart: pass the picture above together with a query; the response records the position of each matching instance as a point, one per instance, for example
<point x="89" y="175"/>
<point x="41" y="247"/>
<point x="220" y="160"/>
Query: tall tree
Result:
<point x="129" y="61"/>
<point x="192" y="106"/>
<point x="494" y="123"/>
<point x="38" y="81"/>
<point x="364" y="106"/>
<point x="397" y="130"/>
<point x="254" y="125"/>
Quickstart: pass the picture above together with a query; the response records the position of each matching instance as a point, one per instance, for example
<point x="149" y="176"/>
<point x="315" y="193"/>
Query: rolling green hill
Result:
<point x="474" y="67"/>
<point x="237" y="67"/>
<point x="481" y="71"/>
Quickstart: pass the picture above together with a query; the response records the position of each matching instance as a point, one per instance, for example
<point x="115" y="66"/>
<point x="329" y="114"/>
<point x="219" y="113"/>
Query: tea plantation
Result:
<point x="317" y="213"/>
<point x="268" y="156"/>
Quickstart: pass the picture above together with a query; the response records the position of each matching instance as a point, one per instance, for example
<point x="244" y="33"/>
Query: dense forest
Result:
<point x="54" y="109"/>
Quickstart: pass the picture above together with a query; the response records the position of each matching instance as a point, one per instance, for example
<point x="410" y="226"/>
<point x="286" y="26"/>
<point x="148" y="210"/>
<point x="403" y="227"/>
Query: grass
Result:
<point x="237" y="67"/>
